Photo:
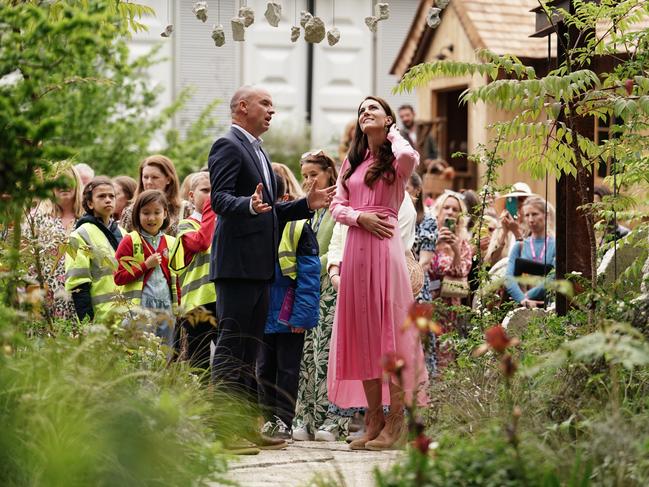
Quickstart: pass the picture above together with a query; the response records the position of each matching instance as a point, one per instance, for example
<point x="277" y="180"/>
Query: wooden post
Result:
<point x="572" y="238"/>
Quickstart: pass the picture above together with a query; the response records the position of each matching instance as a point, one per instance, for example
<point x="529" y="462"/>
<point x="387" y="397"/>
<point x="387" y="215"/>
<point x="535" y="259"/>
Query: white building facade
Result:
<point x="309" y="82"/>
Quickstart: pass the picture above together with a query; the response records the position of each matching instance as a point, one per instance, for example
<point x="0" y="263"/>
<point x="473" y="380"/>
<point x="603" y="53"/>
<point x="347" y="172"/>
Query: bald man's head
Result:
<point x="240" y="95"/>
<point x="252" y="109"/>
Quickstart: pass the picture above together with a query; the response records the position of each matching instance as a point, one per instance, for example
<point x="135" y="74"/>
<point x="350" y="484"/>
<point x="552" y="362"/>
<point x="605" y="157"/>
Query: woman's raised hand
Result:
<point x="376" y="224"/>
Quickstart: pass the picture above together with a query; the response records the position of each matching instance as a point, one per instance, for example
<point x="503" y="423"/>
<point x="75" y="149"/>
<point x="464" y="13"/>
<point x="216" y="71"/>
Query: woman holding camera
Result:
<point x="453" y="254"/>
<point x="536" y="252"/>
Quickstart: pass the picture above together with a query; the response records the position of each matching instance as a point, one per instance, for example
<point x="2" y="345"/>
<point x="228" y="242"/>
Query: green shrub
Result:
<point x="103" y="409"/>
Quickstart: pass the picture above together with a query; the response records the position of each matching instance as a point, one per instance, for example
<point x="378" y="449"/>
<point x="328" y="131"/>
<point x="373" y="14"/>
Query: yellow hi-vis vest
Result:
<point x="90" y="266"/>
<point x="133" y="290"/>
<point x="287" y="253"/>
<point x="196" y="289"/>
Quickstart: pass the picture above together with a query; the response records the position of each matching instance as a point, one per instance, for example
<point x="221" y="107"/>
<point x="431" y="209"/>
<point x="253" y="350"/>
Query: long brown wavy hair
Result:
<point x="382" y="166"/>
<point x="172" y="191"/>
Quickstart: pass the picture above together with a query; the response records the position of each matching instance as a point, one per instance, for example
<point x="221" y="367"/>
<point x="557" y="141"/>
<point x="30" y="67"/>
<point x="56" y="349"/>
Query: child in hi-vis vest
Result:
<point x="143" y="259"/>
<point x="96" y="237"/>
<point x="294" y="308"/>
<point x="190" y="259"/>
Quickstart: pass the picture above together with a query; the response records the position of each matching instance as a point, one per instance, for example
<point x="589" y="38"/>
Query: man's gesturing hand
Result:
<point x="258" y="205"/>
<point x="375" y="224"/>
<point x="319" y="198"/>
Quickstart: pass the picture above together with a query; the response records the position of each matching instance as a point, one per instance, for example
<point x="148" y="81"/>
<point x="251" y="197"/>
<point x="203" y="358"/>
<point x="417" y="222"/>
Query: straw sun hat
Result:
<point x="416" y="274"/>
<point x="519" y="191"/>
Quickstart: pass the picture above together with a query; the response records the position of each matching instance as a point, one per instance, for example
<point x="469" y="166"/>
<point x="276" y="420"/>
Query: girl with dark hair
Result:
<point x="158" y="172"/>
<point x="375" y="292"/>
<point x="96" y="236"/>
<point x="143" y="262"/>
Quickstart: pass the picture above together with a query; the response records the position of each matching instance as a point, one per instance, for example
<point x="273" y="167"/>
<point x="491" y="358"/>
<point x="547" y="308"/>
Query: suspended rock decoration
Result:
<point x="382" y="11"/>
<point x="304" y="18"/>
<point x="295" y="33"/>
<point x="432" y="18"/>
<point x="442" y="3"/>
<point x="168" y="31"/>
<point x="314" y="30"/>
<point x="200" y="11"/>
<point x="218" y="35"/>
<point x="371" y="22"/>
<point x="273" y="13"/>
<point x="333" y="36"/>
<point x="238" y="29"/>
<point x="248" y="16"/>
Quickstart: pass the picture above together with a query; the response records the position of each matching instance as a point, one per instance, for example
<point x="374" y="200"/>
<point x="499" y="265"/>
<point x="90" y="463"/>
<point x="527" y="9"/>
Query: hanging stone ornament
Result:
<point x="295" y="33"/>
<point x="200" y="11"/>
<point x="167" y="32"/>
<point x="218" y="35"/>
<point x="382" y="11"/>
<point x="314" y="30"/>
<point x="273" y="13"/>
<point x="248" y="16"/>
<point x="442" y="3"/>
<point x="333" y="36"/>
<point x="371" y="22"/>
<point x="432" y="18"/>
<point x="304" y="18"/>
<point x="238" y="29"/>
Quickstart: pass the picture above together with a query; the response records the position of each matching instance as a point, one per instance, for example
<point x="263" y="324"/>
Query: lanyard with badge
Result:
<point x="316" y="225"/>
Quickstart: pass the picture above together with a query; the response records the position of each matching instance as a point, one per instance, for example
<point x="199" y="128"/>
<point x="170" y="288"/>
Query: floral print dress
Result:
<point x="46" y="243"/>
<point x="426" y="240"/>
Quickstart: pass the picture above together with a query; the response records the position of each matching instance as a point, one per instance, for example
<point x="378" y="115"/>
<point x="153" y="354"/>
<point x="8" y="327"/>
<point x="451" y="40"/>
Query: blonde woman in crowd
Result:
<point x="293" y="188"/>
<point x="47" y="230"/>
<point x="538" y="249"/>
<point x="453" y="252"/>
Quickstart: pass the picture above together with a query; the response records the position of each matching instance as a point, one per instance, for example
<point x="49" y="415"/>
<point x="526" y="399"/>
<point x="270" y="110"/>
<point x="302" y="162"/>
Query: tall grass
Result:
<point x="104" y="409"/>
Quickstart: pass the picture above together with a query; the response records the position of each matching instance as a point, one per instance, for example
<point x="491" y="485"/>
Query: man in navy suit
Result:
<point x="244" y="248"/>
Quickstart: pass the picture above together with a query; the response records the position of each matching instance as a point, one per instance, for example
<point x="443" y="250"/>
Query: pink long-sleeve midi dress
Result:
<point x="375" y="293"/>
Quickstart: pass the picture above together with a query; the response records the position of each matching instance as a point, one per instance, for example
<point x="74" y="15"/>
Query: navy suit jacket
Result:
<point x="244" y="245"/>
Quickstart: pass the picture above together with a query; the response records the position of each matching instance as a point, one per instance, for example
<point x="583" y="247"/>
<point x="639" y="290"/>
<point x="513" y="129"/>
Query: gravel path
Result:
<point x="297" y="465"/>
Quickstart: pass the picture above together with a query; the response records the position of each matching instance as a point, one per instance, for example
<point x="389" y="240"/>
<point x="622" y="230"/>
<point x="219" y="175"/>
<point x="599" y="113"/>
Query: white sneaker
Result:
<point x="323" y="435"/>
<point x="301" y="434"/>
<point x="355" y="435"/>
<point x="268" y="428"/>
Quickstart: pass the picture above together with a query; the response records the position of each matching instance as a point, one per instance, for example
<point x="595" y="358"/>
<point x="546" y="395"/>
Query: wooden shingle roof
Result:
<point x="502" y="26"/>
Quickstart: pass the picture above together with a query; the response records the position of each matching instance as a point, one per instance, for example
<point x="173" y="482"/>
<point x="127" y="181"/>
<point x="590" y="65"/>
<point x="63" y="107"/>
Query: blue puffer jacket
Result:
<point x="296" y="302"/>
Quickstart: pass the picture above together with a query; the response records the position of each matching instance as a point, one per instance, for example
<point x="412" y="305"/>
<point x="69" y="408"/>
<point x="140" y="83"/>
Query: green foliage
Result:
<point x="541" y="133"/>
<point x="189" y="152"/>
<point x="102" y="409"/>
<point x="287" y="142"/>
<point x="32" y="125"/>
<point x="484" y="461"/>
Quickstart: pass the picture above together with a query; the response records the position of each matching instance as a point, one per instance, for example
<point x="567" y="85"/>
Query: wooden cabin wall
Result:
<point x="510" y="172"/>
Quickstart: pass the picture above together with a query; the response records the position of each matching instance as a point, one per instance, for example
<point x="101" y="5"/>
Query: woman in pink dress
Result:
<point x="375" y="293"/>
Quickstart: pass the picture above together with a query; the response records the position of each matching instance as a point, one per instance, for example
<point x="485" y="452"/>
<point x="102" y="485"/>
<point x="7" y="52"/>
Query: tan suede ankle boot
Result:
<point x="374" y="423"/>
<point x="393" y="436"/>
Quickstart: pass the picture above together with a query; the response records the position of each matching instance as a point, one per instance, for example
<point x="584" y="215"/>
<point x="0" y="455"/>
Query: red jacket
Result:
<point x="200" y="241"/>
<point x="140" y="271"/>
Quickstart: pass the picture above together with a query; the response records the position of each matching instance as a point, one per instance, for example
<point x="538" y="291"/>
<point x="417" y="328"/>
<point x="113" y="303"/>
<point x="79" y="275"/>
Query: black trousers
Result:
<point x="241" y="310"/>
<point x="278" y="374"/>
<point x="200" y="334"/>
